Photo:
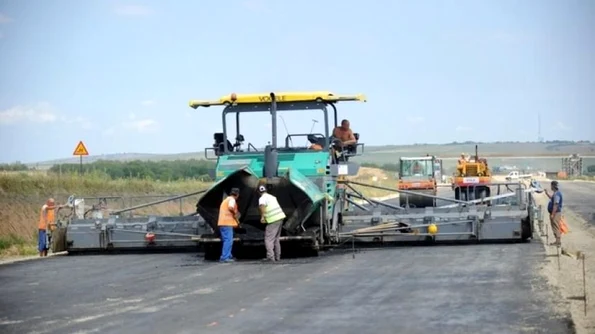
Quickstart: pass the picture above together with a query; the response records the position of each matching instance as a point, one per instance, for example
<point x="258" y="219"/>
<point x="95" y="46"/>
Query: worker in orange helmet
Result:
<point x="47" y="223"/>
<point x="228" y="220"/>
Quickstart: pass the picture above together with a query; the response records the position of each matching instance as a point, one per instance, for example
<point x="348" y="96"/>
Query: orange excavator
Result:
<point x="418" y="175"/>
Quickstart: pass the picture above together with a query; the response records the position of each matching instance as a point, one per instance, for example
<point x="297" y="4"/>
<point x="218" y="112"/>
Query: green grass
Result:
<point x="24" y="183"/>
<point x="12" y="245"/>
<point x="23" y="193"/>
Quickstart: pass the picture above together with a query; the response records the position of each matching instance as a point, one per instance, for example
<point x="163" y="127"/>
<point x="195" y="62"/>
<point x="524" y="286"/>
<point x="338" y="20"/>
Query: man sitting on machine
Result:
<point x="344" y="139"/>
<point x="344" y="134"/>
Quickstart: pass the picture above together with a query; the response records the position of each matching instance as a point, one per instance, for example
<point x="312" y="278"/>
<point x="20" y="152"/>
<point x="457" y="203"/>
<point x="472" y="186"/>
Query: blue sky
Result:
<point x="118" y="75"/>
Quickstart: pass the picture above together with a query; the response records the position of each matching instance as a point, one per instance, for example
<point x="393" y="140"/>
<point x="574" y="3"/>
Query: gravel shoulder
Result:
<point x="581" y="237"/>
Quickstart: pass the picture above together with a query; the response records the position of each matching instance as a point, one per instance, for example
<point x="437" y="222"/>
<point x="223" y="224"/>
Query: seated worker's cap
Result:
<point x="262" y="189"/>
<point x="235" y="191"/>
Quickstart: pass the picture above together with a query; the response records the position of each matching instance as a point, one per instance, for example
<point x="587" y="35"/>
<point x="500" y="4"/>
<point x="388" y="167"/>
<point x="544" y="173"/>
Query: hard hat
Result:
<point x="262" y="189"/>
<point x="432" y="229"/>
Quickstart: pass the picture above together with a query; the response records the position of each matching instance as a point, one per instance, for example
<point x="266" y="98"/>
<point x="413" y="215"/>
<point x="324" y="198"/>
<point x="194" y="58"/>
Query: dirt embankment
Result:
<point x="568" y="278"/>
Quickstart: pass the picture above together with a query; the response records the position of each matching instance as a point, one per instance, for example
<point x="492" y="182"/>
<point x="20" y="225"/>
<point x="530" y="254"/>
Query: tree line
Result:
<point x="163" y="170"/>
<point x="14" y="167"/>
<point x="154" y="170"/>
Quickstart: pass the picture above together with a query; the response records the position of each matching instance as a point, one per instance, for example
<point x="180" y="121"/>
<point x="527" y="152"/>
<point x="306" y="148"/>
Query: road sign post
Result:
<point x="80" y="150"/>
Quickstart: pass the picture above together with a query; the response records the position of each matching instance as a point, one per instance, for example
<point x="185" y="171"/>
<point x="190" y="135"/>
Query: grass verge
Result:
<point x="12" y="245"/>
<point x="23" y="194"/>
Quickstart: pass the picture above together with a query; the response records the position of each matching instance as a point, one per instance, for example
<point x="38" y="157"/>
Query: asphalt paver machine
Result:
<point x="324" y="208"/>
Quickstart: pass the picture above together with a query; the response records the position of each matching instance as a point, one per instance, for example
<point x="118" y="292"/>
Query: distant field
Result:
<point x="545" y="164"/>
<point x="443" y="150"/>
<point x="489" y="149"/>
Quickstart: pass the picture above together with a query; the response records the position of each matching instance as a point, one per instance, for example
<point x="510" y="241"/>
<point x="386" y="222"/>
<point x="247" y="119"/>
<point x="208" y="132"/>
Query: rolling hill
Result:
<point x="452" y="150"/>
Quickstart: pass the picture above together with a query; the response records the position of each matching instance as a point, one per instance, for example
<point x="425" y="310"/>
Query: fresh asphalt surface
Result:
<point x="421" y="289"/>
<point x="579" y="196"/>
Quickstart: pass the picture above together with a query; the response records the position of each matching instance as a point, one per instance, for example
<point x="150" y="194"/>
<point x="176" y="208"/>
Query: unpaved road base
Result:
<point x="569" y="278"/>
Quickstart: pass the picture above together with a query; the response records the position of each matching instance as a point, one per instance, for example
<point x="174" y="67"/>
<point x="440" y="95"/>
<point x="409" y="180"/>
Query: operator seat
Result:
<point x="219" y="146"/>
<point x="344" y="151"/>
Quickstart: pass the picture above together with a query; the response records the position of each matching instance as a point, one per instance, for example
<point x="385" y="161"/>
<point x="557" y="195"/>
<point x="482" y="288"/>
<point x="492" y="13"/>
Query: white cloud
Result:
<point x="415" y="119"/>
<point x="5" y="19"/>
<point x="561" y="126"/>
<point x="82" y="122"/>
<point x="146" y="125"/>
<point x="147" y="103"/>
<point x="143" y="125"/>
<point x="133" y="10"/>
<point x="39" y="113"/>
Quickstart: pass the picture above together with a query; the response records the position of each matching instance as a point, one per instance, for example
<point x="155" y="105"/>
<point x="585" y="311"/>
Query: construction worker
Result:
<point x="272" y="215"/>
<point x="462" y="159"/>
<point x="555" y="210"/>
<point x="47" y="223"/>
<point x="228" y="220"/>
<point x="344" y="134"/>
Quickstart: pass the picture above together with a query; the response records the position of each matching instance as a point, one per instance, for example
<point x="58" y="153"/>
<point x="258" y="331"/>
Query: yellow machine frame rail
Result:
<point x="282" y="97"/>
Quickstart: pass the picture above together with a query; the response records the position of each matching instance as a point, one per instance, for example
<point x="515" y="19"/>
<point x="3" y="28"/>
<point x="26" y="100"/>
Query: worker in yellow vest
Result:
<point x="272" y="215"/>
<point x="47" y="223"/>
<point x="228" y="220"/>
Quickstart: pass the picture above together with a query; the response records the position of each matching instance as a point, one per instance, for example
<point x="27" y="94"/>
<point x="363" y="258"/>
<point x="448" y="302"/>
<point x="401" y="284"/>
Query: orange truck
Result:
<point x="472" y="178"/>
<point x="418" y="175"/>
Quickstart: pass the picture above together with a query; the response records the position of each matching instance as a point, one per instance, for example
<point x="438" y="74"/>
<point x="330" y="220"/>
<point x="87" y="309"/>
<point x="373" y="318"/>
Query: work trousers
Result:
<point x="271" y="240"/>
<point x="42" y="242"/>
<point x="555" y="222"/>
<point x="226" y="241"/>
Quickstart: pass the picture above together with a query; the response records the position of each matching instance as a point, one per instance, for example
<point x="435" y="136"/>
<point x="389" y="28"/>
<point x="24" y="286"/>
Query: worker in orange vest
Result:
<point x="228" y="220"/>
<point x="47" y="223"/>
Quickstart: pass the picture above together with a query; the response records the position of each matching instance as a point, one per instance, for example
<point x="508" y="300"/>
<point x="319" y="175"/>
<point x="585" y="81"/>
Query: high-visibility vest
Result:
<point x="46" y="216"/>
<point x="226" y="217"/>
<point x="273" y="211"/>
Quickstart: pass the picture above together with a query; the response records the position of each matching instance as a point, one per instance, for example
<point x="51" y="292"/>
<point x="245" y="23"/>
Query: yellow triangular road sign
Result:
<point x="80" y="149"/>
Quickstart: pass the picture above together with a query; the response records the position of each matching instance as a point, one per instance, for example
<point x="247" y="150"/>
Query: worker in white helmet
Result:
<point x="272" y="215"/>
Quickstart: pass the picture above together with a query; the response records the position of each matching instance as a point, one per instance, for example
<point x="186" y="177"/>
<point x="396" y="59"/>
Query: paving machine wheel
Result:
<point x="526" y="229"/>
<point x="58" y="242"/>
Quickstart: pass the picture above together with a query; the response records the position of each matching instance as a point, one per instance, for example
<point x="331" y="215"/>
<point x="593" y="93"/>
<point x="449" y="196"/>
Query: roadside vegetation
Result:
<point x="23" y="191"/>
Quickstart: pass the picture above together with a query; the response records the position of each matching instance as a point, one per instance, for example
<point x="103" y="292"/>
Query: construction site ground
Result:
<point x="493" y="288"/>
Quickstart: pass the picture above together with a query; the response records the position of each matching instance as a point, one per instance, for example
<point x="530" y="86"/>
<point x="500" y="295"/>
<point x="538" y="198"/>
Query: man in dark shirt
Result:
<point x="555" y="210"/>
